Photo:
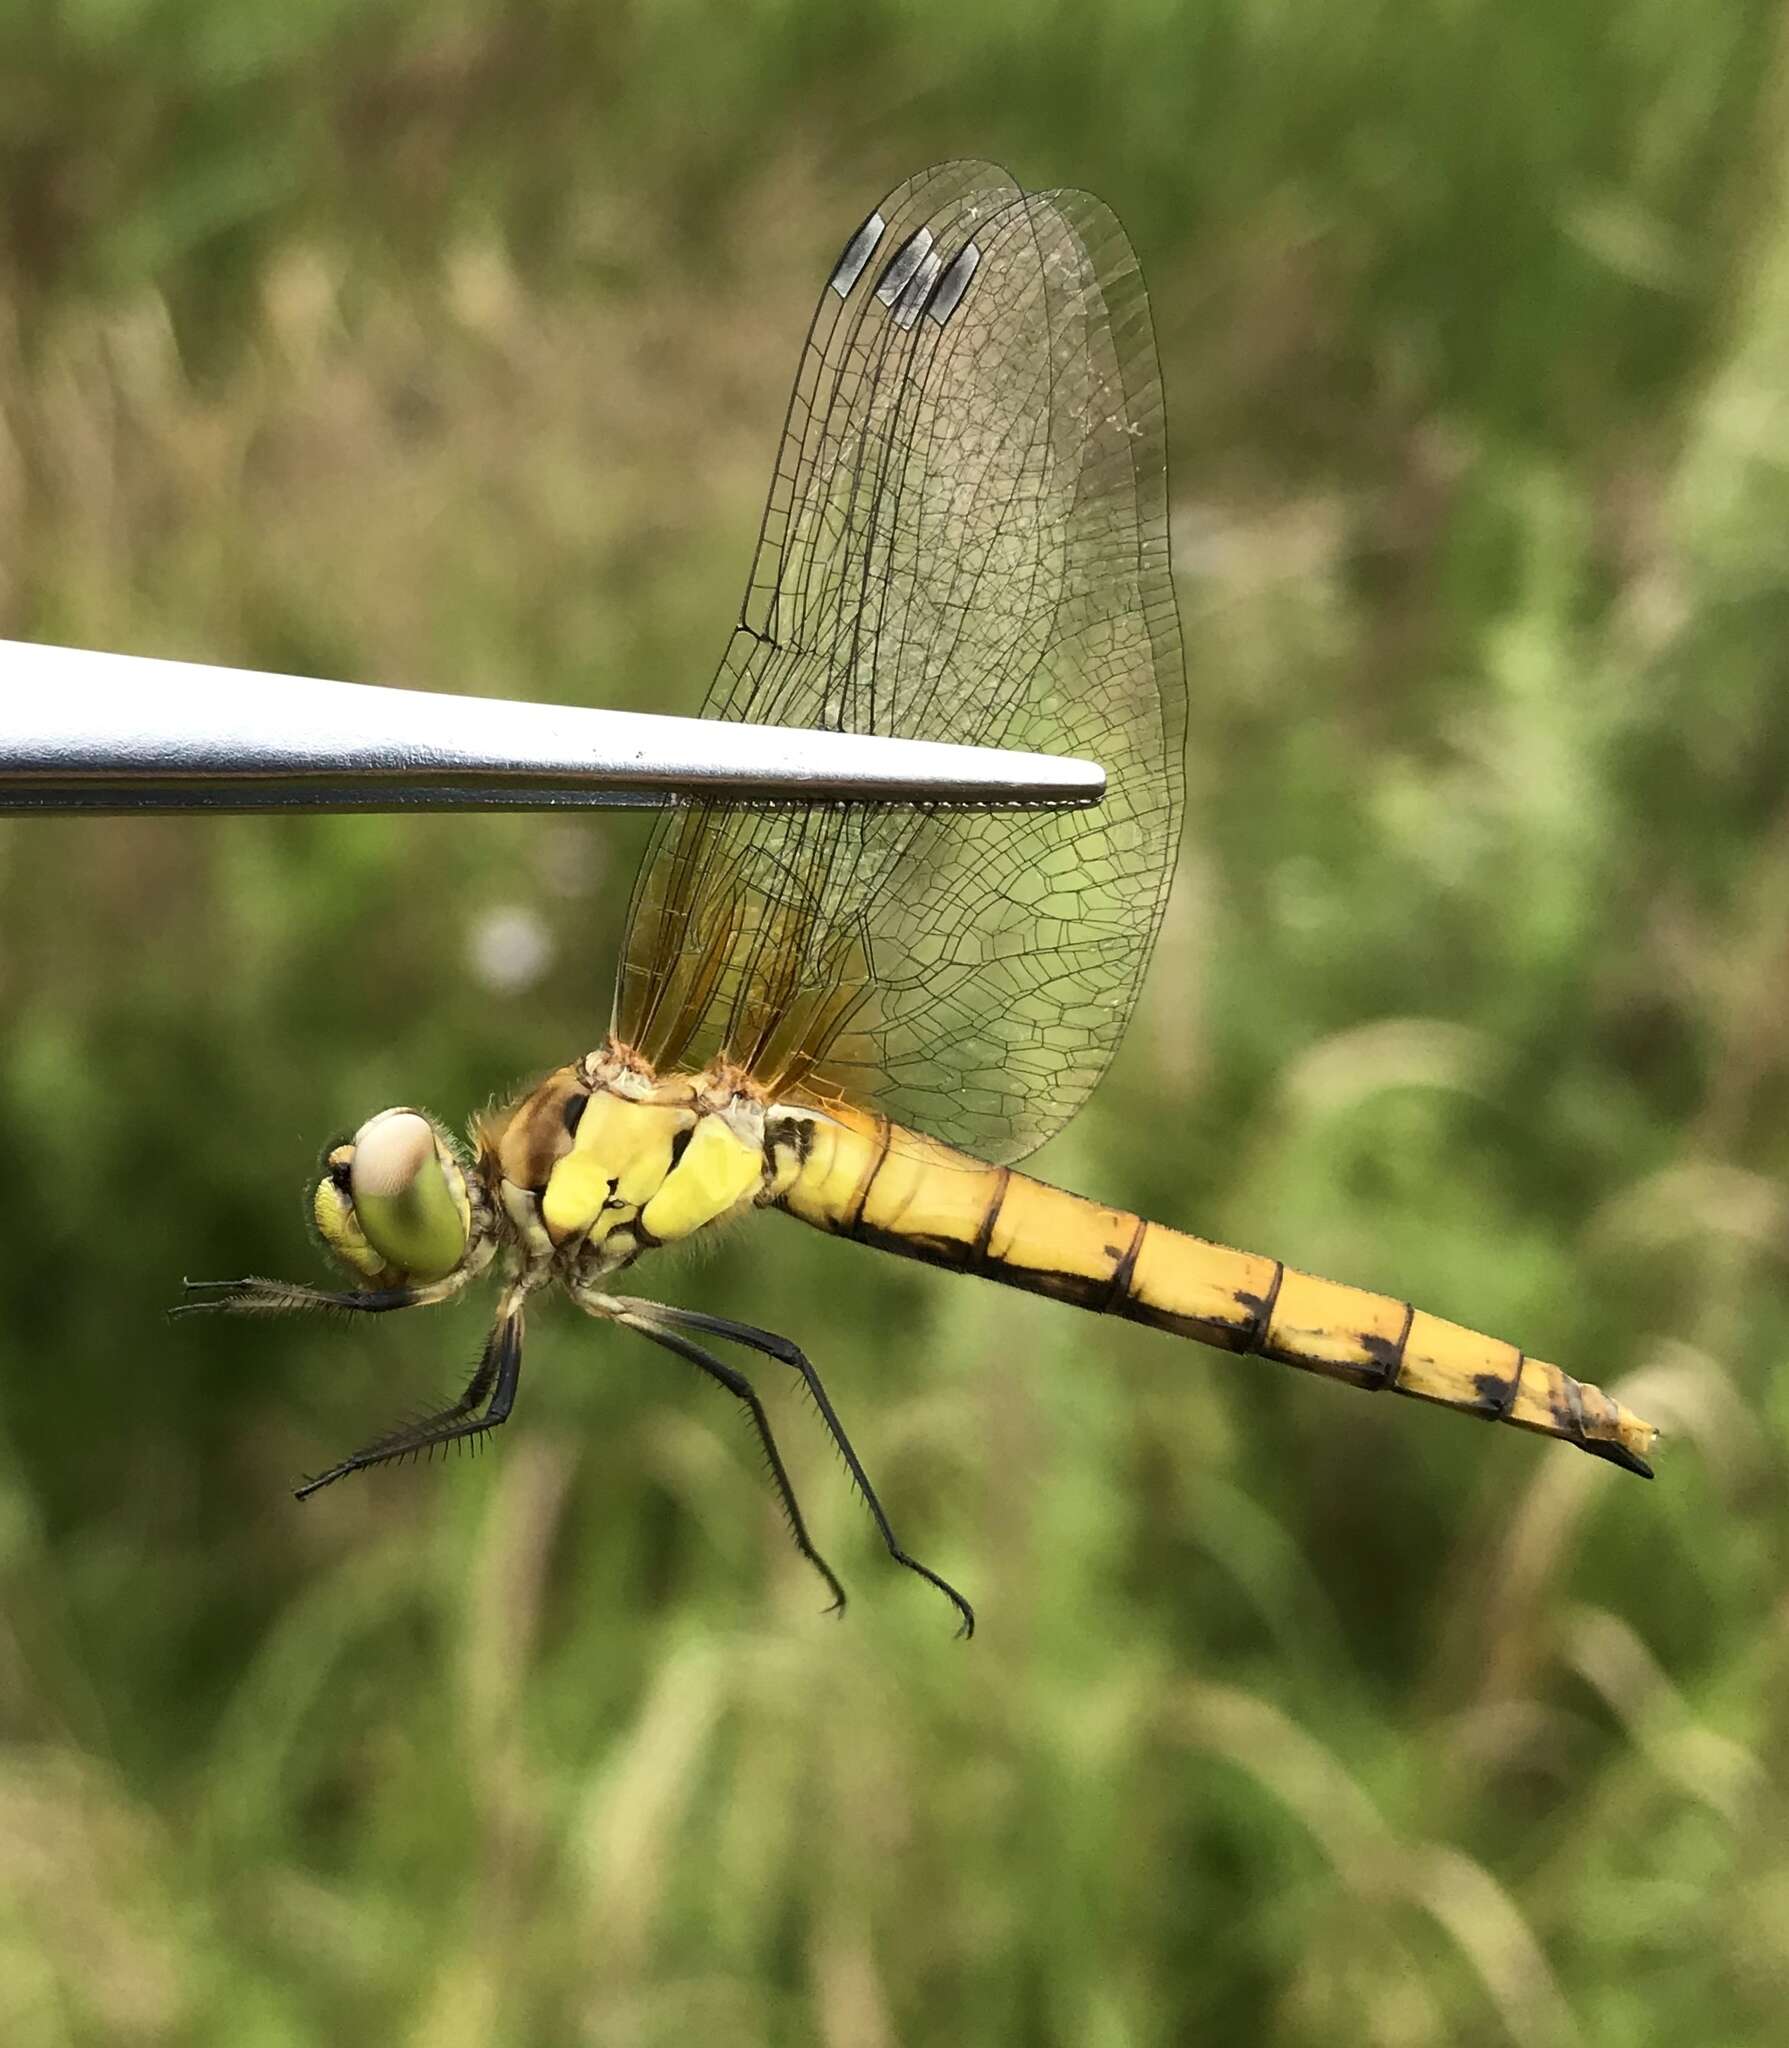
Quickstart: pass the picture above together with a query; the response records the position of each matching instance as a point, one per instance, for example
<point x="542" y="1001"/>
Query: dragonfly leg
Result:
<point x="770" y="1345"/>
<point x="743" y="1391"/>
<point x="493" y="1381"/>
<point x="257" y="1297"/>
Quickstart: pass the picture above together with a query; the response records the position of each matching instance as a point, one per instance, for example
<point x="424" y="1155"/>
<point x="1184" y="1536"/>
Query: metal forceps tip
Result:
<point x="112" y="733"/>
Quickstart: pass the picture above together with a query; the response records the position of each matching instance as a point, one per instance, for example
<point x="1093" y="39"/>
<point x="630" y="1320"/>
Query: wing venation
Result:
<point x="965" y="539"/>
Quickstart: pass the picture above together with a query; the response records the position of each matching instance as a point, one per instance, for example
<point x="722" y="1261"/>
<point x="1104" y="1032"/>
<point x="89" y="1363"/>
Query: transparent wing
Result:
<point x="966" y="539"/>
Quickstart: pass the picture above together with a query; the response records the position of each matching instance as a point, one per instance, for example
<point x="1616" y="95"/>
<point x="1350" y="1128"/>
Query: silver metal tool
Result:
<point x="113" y="733"/>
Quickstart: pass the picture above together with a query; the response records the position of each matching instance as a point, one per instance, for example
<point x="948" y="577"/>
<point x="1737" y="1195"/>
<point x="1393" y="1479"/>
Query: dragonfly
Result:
<point x="864" y="1018"/>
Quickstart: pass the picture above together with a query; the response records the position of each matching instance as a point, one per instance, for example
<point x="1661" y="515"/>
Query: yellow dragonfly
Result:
<point x="864" y="1017"/>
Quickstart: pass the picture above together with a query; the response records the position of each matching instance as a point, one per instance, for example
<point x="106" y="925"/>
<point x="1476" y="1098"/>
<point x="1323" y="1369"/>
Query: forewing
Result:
<point x="966" y="540"/>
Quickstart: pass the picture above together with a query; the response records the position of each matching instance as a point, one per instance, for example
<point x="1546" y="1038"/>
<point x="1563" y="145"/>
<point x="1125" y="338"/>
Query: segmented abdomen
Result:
<point x="859" y="1176"/>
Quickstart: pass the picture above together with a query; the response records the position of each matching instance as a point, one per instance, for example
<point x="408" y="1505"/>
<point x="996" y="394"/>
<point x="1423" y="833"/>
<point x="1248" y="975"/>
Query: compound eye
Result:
<point x="408" y="1195"/>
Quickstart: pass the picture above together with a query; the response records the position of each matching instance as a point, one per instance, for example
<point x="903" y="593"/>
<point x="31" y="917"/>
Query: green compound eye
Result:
<point x="408" y="1195"/>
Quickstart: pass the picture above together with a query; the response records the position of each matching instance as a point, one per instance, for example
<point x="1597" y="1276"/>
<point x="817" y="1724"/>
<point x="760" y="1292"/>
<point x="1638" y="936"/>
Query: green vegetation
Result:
<point x="450" y="346"/>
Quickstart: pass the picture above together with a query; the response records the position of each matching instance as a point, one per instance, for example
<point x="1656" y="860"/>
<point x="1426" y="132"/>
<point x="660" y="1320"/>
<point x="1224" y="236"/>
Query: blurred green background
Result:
<point x="449" y="345"/>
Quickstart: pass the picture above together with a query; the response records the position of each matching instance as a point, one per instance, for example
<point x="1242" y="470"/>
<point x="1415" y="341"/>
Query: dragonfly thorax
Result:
<point x="605" y="1159"/>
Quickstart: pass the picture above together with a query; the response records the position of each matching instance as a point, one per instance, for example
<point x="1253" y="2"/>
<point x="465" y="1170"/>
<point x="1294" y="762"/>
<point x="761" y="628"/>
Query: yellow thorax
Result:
<point x="674" y="1160"/>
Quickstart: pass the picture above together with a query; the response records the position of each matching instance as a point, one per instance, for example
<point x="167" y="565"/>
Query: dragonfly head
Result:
<point x="394" y="1203"/>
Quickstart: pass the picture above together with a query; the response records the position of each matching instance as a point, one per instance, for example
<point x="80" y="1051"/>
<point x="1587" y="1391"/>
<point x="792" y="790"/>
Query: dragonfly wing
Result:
<point x="966" y="540"/>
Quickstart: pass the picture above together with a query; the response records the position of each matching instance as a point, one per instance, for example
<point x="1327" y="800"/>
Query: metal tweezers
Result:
<point x="111" y="733"/>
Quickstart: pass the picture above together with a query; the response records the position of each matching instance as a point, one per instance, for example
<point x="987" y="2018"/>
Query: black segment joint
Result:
<point x="984" y="1235"/>
<point x="1389" y="1356"/>
<point x="1260" y="1308"/>
<point x="1118" y="1292"/>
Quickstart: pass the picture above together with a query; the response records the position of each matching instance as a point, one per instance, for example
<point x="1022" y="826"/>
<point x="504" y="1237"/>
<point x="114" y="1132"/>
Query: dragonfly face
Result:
<point x="864" y="1017"/>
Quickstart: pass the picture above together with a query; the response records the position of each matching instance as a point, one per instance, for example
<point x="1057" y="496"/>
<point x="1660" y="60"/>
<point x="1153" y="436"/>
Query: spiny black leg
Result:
<point x="770" y="1345"/>
<point x="496" y="1375"/>
<point x="255" y="1296"/>
<point x="743" y="1391"/>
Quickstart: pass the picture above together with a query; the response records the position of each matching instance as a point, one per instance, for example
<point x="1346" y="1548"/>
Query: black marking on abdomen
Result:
<point x="1571" y="1422"/>
<point x="930" y="1249"/>
<point x="958" y="1255"/>
<point x="1120" y="1287"/>
<point x="1388" y="1355"/>
<point x="1201" y="1329"/>
<point x="793" y="1134"/>
<point x="1617" y="1454"/>
<point x="1080" y="1290"/>
<point x="852" y="1221"/>
<point x="1497" y="1394"/>
<point x="984" y="1235"/>
<point x="1260" y="1309"/>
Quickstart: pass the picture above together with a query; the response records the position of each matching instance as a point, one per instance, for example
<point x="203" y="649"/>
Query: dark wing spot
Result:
<point x="901" y="266"/>
<point x="858" y="251"/>
<point x="575" y="1106"/>
<point x="953" y="284"/>
<point x="908" y="307"/>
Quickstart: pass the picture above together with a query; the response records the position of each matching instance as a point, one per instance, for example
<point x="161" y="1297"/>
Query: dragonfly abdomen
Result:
<point x="860" y="1176"/>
